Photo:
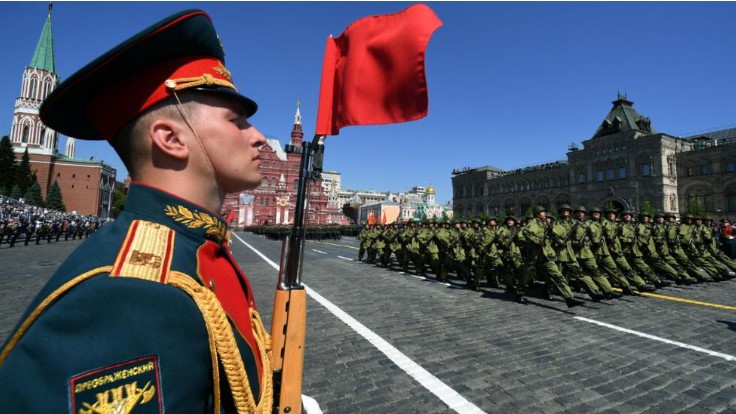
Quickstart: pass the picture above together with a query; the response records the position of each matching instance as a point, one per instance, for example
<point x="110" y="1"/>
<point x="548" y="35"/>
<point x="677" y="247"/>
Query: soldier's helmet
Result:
<point x="669" y="214"/>
<point x="688" y="216"/>
<point x="611" y="210"/>
<point x="595" y="210"/>
<point x="658" y="214"/>
<point x="564" y="206"/>
<point x="626" y="212"/>
<point x="644" y="214"/>
<point x="538" y="209"/>
<point x="581" y="208"/>
<point x="491" y="218"/>
<point x="510" y="218"/>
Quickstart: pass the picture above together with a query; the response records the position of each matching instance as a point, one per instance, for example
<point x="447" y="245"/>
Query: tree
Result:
<point x="7" y="164"/>
<point x="118" y="202"/>
<point x="24" y="175"/>
<point x="351" y="210"/>
<point x="33" y="194"/>
<point x="696" y="209"/>
<point x="646" y="207"/>
<point x="54" y="199"/>
<point x="15" y="192"/>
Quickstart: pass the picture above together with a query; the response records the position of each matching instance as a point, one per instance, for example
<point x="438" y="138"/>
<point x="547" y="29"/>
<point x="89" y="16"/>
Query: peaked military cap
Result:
<point x="181" y="52"/>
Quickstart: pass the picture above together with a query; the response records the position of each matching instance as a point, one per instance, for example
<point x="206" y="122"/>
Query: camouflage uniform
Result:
<point x="536" y="232"/>
<point x="602" y="255"/>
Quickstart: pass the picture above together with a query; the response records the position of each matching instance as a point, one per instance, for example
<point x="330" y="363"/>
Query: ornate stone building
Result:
<point x="625" y="163"/>
<point x="86" y="185"/>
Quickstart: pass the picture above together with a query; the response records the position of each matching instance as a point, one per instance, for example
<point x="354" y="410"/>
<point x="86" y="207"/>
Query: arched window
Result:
<point x="26" y="133"/>
<point x="296" y="185"/>
<point x="42" y="138"/>
<point x="34" y="87"/>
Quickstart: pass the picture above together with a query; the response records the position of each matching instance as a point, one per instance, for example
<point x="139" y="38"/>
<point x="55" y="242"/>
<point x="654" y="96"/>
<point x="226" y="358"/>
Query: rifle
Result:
<point x="289" y="323"/>
<point x="572" y="230"/>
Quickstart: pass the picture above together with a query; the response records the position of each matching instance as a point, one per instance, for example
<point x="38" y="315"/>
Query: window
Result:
<point x="34" y="86"/>
<point x="690" y="172"/>
<point x="581" y="178"/>
<point x="42" y="138"/>
<point x="646" y="169"/>
<point x="621" y="173"/>
<point x="611" y="174"/>
<point x="26" y="133"/>
<point x="730" y="168"/>
<point x="731" y="202"/>
<point x="599" y="175"/>
<point x="704" y="169"/>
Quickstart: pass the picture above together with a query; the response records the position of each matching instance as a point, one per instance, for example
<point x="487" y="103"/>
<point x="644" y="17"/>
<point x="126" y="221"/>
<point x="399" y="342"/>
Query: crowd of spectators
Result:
<point x="22" y="223"/>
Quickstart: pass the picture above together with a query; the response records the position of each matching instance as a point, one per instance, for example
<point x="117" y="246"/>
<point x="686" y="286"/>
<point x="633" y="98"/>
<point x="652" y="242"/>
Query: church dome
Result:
<point x="430" y="190"/>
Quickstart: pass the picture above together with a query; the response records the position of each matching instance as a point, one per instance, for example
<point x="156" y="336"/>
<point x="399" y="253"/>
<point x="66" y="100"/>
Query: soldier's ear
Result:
<point x="166" y="136"/>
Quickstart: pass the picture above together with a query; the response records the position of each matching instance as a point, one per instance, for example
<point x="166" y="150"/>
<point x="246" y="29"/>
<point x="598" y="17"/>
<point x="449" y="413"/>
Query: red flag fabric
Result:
<point x="373" y="73"/>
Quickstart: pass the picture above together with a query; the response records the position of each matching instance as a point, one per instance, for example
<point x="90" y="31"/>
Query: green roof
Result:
<point x="43" y="57"/>
<point x="623" y="117"/>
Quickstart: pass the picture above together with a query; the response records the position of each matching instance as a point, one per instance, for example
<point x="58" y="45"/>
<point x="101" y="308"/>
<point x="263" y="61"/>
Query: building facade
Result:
<point x="623" y="165"/>
<point x="274" y="201"/>
<point x="86" y="185"/>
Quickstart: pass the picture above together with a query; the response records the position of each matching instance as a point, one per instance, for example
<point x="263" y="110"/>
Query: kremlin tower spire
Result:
<point x="297" y="134"/>
<point x="39" y="79"/>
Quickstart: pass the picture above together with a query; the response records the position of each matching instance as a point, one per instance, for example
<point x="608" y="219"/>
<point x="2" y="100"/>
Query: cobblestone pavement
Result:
<point x="474" y="351"/>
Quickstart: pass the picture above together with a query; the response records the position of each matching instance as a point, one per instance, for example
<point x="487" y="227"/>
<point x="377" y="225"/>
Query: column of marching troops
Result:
<point x="591" y="250"/>
<point x="25" y="224"/>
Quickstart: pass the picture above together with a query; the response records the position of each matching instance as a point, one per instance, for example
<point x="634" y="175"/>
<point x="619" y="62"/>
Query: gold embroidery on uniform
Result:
<point x="196" y="220"/>
<point x="146" y="248"/>
<point x="120" y="400"/>
<point x="222" y="70"/>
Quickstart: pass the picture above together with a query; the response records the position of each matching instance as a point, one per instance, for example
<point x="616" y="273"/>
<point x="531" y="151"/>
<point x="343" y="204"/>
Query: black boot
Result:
<point x="630" y="291"/>
<point x="521" y="299"/>
<point x="572" y="302"/>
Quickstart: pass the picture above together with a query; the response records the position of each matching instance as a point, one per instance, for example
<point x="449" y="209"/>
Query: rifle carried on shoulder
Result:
<point x="289" y="323"/>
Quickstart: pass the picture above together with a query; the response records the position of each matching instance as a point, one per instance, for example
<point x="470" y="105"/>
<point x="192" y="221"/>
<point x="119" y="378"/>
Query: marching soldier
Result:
<point x="645" y="243"/>
<point x="630" y="247"/>
<point x="537" y="234"/>
<point x="594" y="282"/>
<point x="688" y="236"/>
<point x="603" y="256"/>
<point x="672" y="235"/>
<point x="659" y="238"/>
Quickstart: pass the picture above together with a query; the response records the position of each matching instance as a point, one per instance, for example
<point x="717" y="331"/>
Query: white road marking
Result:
<point x="346" y="258"/>
<point x="455" y="401"/>
<point x="727" y="357"/>
<point x="319" y="251"/>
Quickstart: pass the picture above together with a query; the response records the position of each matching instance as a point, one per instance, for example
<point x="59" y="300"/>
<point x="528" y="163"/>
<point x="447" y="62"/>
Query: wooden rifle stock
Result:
<point x="289" y="322"/>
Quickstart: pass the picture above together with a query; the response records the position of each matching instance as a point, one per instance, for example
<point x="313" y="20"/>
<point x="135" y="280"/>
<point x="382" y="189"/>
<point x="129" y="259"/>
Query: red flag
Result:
<point x="373" y="73"/>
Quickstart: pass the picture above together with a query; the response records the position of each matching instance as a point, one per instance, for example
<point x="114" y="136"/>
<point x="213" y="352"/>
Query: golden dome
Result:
<point x="430" y="190"/>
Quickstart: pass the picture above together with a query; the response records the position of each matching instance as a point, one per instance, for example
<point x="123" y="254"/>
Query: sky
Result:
<point x="511" y="84"/>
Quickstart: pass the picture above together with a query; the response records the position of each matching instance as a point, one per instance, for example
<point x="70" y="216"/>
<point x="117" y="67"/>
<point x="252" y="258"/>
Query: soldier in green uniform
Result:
<point x="488" y="256"/>
<point x="602" y="256"/>
<point x="596" y="283"/>
<point x="711" y="244"/>
<point x="645" y="242"/>
<point x="509" y="252"/>
<point x="542" y="254"/>
<point x="444" y="239"/>
<point x="635" y="257"/>
<point x="409" y="245"/>
<point x="457" y="256"/>
<point x="672" y="236"/>
<point x="564" y="231"/>
<point x="659" y="238"/>
<point x="364" y="240"/>
<point x="702" y="238"/>
<point x="688" y="235"/>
